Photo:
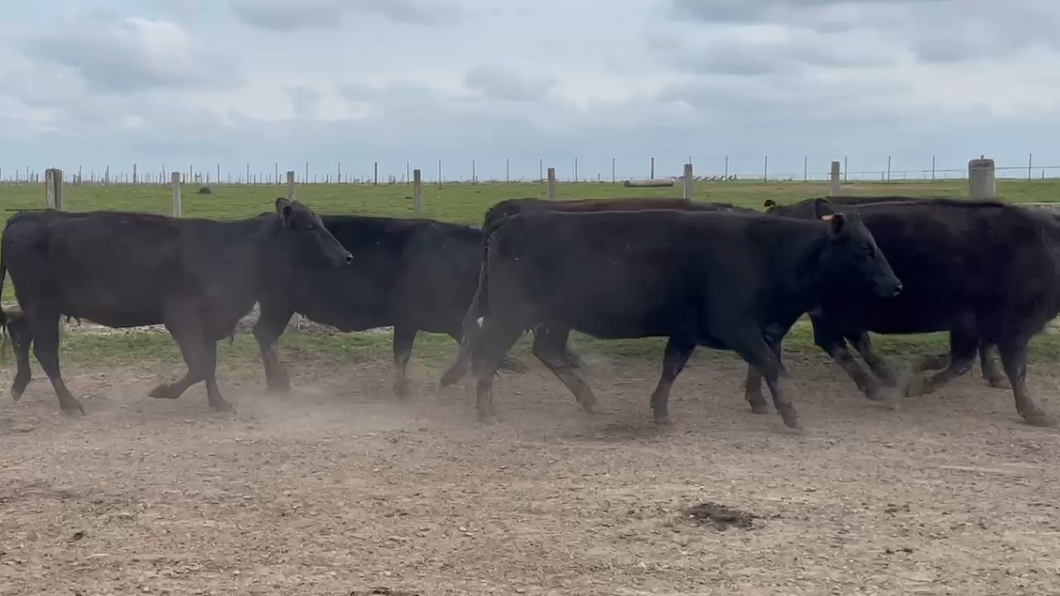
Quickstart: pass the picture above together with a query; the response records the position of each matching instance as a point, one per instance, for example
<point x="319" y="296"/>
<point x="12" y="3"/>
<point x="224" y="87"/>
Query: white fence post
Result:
<point x="290" y="185"/>
<point x="981" y="181"/>
<point x="54" y="182"/>
<point x="690" y="183"/>
<point x="833" y="179"/>
<point x="552" y="184"/>
<point x="175" y="179"/>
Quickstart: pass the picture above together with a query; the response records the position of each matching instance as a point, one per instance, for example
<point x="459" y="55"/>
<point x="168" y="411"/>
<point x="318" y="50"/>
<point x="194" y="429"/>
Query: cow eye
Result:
<point x="867" y="250"/>
<point x="310" y="226"/>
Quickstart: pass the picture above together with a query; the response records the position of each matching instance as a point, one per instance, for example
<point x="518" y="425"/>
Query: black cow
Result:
<point x="526" y="205"/>
<point x="197" y="277"/>
<point x="986" y="271"/>
<point x="414" y="274"/>
<point x="988" y="358"/>
<point x="510" y="207"/>
<point x="722" y="280"/>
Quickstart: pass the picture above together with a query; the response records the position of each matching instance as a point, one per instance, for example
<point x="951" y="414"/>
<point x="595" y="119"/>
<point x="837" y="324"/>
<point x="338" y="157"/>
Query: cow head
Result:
<point x="850" y="256"/>
<point x="304" y="236"/>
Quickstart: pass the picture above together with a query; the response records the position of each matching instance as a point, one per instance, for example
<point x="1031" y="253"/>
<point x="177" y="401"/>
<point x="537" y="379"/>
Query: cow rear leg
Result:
<point x="993" y="370"/>
<point x="21" y="337"/>
<point x="271" y="324"/>
<point x="753" y="384"/>
<point x="1014" y="359"/>
<point x="877" y="364"/>
<point x="570" y="358"/>
<point x="674" y="359"/>
<point x="45" y="331"/>
<point x="963" y="348"/>
<point x="759" y="354"/>
<point x="835" y="345"/>
<point x="548" y="346"/>
<point x="213" y="392"/>
<point x="201" y="365"/>
<point x="404" y="338"/>
<point x="496" y="338"/>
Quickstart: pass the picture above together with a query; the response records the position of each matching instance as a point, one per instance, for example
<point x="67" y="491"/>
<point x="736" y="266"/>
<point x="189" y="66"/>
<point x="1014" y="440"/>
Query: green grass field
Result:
<point x="464" y="203"/>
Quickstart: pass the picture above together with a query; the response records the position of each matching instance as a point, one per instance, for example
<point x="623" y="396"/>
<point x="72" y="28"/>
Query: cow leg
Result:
<point x="879" y="367"/>
<point x="45" y="331"/>
<point x="189" y="337"/>
<point x="549" y="347"/>
<point x="213" y="392"/>
<point x="571" y="359"/>
<point x="963" y="348"/>
<point x="753" y="384"/>
<point x="272" y="322"/>
<point x="404" y="338"/>
<point x="833" y="342"/>
<point x="757" y="352"/>
<point x="21" y="337"/>
<point x="495" y="339"/>
<point x="753" y="391"/>
<point x="674" y="359"/>
<point x="1014" y="359"/>
<point x="993" y="372"/>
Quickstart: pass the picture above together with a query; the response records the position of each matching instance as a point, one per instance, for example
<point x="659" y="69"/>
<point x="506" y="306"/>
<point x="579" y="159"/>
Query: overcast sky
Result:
<point x="200" y="82"/>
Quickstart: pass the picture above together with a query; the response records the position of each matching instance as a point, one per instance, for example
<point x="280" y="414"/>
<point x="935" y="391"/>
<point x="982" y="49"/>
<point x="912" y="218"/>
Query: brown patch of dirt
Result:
<point x="340" y="487"/>
<point x="720" y="516"/>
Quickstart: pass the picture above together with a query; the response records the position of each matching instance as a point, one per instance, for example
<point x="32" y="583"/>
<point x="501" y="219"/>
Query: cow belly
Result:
<point x="117" y="317"/>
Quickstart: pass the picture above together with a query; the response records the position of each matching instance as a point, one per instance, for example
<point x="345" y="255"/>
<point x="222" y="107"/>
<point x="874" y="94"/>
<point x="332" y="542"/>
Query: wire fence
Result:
<point x="333" y="173"/>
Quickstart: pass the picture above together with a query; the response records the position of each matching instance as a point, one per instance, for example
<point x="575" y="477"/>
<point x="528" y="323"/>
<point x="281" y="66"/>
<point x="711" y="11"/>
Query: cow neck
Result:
<point x="798" y="264"/>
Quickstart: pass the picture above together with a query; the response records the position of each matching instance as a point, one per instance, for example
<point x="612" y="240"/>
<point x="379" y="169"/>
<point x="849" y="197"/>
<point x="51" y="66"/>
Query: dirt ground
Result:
<point x="338" y="489"/>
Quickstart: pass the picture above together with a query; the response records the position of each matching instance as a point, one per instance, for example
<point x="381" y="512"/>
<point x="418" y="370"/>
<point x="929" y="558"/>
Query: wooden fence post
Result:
<point x="690" y="182"/>
<point x="290" y="185"/>
<point x="175" y="179"/>
<point x="417" y="189"/>
<point x="375" y="176"/>
<point x="833" y="179"/>
<point x="54" y="182"/>
<point x="552" y="184"/>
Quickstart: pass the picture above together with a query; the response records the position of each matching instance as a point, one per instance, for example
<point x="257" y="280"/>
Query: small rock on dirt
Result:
<point x="721" y="516"/>
<point x="382" y="592"/>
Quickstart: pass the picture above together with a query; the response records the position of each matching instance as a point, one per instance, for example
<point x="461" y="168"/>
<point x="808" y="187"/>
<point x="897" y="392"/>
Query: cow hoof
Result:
<point x="915" y="387"/>
<point x="16" y="394"/>
<point x="221" y="405"/>
<point x="662" y="418"/>
<point x="279" y="387"/>
<point x="999" y="383"/>
<point x="1039" y="418"/>
<point x="72" y="406"/>
<point x="759" y="407"/>
<point x="450" y="378"/>
<point x="790" y="417"/>
<point x="163" y="391"/>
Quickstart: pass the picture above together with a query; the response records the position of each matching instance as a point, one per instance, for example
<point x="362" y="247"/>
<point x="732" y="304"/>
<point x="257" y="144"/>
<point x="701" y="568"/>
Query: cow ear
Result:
<point x="838" y="223"/>
<point x="822" y="209"/>
<point x="769" y="204"/>
<point x="284" y="210"/>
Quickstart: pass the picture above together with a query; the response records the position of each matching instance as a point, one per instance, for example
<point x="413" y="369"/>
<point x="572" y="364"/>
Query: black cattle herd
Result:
<point x="699" y="274"/>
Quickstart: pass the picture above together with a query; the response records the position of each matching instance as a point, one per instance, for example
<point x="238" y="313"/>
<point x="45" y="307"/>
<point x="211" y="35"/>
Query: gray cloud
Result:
<point x="125" y="55"/>
<point x="291" y="15"/>
<point x="933" y="30"/>
<point x="303" y="100"/>
<point x="505" y="84"/>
